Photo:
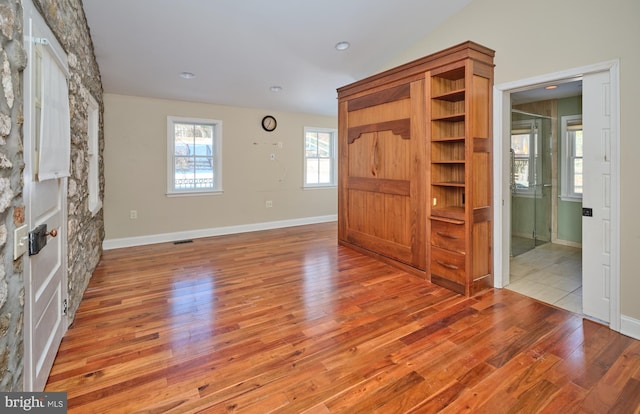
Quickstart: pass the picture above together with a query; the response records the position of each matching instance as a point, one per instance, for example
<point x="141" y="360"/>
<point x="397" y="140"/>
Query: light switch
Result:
<point x="20" y="241"/>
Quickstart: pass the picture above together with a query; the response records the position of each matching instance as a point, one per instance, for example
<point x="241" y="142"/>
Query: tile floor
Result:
<point x="551" y="273"/>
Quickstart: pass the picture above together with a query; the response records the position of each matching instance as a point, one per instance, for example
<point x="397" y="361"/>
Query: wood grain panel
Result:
<point x="401" y="127"/>
<point x="381" y="97"/>
<point x="391" y="111"/>
<point x="379" y="185"/>
<point x="381" y="155"/>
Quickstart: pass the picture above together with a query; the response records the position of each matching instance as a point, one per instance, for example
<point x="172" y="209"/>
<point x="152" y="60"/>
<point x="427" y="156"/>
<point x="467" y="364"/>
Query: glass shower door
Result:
<point x="530" y="183"/>
<point x="523" y="201"/>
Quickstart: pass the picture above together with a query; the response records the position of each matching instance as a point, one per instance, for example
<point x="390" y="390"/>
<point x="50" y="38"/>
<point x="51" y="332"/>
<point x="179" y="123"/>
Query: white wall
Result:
<point x="135" y="170"/>
<point x="533" y="38"/>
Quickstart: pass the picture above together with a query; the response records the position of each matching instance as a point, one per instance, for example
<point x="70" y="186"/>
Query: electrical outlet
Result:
<point x="133" y="214"/>
<point x="268" y="203"/>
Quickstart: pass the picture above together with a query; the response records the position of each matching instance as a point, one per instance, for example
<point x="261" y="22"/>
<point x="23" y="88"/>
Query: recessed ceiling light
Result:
<point x="551" y="87"/>
<point x="342" y="45"/>
<point x="187" y="75"/>
<point x="275" y="88"/>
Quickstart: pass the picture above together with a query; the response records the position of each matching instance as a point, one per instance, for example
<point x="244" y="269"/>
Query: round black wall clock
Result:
<point x="269" y="123"/>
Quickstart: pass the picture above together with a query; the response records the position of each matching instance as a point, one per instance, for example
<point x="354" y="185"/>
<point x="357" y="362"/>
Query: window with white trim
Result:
<point x="320" y="164"/>
<point x="194" y="158"/>
<point x="571" y="160"/>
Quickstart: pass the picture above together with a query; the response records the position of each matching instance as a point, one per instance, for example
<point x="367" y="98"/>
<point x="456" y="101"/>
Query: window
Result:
<point x="320" y="166"/>
<point x="571" y="157"/>
<point x="194" y="157"/>
<point x="94" y="156"/>
<point x="524" y="153"/>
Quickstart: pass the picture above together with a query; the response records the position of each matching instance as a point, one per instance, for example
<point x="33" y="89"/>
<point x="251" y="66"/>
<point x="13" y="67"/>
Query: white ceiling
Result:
<point x="238" y="49"/>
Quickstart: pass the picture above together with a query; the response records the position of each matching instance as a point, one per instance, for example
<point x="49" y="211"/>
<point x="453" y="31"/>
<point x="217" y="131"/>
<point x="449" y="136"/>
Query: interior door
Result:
<point x="596" y="199"/>
<point x="45" y="274"/>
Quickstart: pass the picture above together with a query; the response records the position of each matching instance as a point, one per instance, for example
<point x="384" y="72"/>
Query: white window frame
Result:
<point x="567" y="191"/>
<point x="217" y="161"/>
<point x="93" y="132"/>
<point x="333" y="157"/>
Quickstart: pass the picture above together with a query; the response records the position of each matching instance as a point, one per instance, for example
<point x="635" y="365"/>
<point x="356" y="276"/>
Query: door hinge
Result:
<point x="64" y="307"/>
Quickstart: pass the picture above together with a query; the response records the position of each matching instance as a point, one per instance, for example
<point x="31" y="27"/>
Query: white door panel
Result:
<point x="45" y="273"/>
<point x="596" y="230"/>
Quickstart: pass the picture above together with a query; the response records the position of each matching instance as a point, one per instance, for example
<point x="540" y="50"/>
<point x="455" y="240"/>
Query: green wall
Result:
<point x="569" y="212"/>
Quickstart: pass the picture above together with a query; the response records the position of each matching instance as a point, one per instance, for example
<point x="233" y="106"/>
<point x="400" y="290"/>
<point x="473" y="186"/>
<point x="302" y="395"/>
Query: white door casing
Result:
<point x="502" y="201"/>
<point x="45" y="273"/>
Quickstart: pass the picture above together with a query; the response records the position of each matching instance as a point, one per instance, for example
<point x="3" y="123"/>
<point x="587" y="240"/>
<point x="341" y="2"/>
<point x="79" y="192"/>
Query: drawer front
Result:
<point x="449" y="236"/>
<point x="447" y="264"/>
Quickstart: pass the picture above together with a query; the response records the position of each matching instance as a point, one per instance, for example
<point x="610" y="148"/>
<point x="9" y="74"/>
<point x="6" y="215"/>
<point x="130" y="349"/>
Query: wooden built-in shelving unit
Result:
<point x="415" y="167"/>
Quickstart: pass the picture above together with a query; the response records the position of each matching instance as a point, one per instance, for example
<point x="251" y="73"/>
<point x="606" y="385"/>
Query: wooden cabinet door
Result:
<point x="382" y="174"/>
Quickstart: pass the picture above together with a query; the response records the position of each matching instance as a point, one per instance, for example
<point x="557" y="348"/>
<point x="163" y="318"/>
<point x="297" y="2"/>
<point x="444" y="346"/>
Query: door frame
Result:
<point x="502" y="203"/>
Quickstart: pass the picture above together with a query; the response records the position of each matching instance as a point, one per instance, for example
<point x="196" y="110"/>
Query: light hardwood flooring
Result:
<point x="287" y="321"/>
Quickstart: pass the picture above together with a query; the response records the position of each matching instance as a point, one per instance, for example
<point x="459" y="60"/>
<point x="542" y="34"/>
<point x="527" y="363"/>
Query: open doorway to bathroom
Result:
<point x="546" y="218"/>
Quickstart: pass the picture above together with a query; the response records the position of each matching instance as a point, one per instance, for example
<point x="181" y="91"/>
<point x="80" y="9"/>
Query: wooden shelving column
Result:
<point x="460" y="210"/>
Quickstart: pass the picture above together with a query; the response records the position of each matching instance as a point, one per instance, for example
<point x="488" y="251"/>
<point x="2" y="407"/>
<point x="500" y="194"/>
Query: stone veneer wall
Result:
<point x="85" y="231"/>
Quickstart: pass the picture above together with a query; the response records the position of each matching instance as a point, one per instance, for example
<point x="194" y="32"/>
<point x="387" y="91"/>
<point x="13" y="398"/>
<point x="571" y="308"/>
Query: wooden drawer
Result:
<point x="449" y="236"/>
<point x="447" y="264"/>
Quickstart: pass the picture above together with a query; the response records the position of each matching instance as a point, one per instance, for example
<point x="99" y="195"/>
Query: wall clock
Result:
<point x="269" y="123"/>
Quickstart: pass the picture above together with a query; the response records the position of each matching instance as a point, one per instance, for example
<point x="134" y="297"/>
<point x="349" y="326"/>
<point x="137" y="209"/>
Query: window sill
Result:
<point x="320" y="187"/>
<point x="573" y="199"/>
<point x="195" y="193"/>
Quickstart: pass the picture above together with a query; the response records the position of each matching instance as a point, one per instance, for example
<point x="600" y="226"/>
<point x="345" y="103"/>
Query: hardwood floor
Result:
<point x="286" y="321"/>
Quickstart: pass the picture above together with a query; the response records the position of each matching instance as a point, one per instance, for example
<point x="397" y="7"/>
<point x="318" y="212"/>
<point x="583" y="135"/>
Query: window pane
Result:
<point x="578" y="143"/>
<point x="183" y="131"/>
<point x="312" y="170"/>
<point x="324" y="144"/>
<point x="577" y="176"/>
<point x="311" y="144"/>
<point x="521" y="173"/>
<point x="325" y="171"/>
<point x="520" y="144"/>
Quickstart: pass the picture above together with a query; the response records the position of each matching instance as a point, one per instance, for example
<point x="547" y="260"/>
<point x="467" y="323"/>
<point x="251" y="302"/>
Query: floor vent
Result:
<point x="183" y="241"/>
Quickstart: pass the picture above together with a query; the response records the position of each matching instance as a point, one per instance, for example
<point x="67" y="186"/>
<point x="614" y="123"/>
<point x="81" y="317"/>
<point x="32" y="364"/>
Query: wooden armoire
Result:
<point x="415" y="167"/>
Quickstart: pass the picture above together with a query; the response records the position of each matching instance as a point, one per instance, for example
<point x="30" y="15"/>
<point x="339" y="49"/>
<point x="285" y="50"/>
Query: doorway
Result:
<point x="601" y="282"/>
<point x="552" y="273"/>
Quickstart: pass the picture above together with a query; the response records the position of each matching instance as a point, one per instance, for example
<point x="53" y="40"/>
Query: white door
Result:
<point x="45" y="273"/>
<point x="596" y="229"/>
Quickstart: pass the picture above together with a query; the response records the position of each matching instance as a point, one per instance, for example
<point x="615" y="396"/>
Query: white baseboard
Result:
<point x="568" y="243"/>
<point x="218" y="231"/>
<point x="630" y="327"/>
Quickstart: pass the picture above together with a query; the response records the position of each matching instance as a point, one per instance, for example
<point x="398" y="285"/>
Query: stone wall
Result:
<point x="85" y="230"/>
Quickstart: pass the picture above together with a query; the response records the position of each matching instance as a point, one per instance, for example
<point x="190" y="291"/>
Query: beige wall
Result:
<point x="135" y="169"/>
<point x="548" y="36"/>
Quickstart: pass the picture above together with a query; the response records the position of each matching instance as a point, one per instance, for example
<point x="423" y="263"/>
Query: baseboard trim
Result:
<point x="630" y="327"/>
<point x="217" y="231"/>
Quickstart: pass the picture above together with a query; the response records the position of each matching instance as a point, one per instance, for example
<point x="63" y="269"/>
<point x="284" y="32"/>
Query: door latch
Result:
<point x="38" y="238"/>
